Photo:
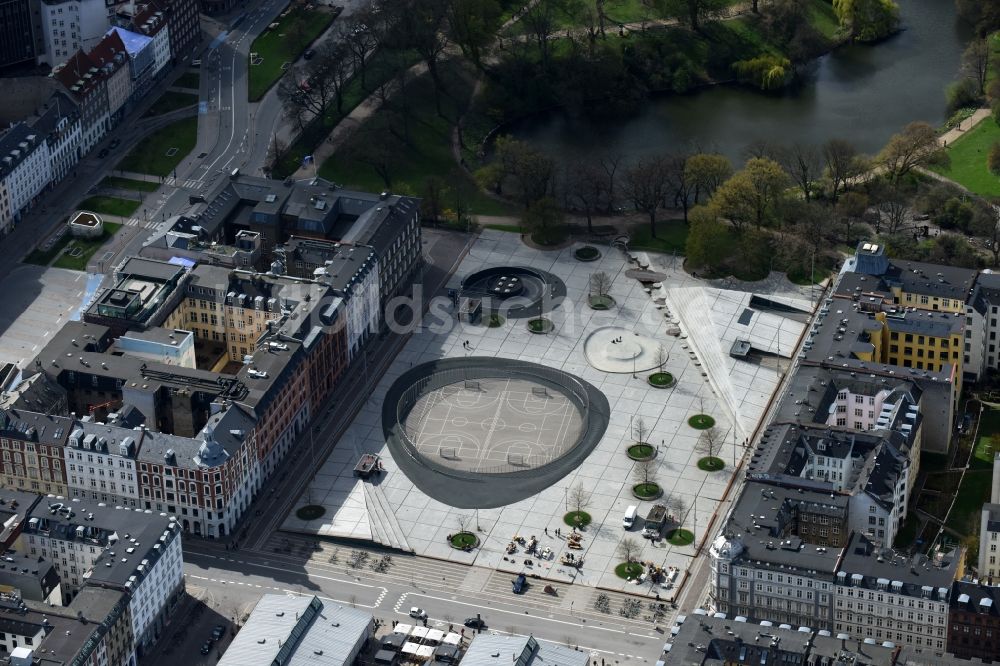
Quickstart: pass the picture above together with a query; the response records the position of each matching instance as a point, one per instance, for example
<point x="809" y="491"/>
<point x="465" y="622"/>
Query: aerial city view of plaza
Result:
<point x="482" y="332"/>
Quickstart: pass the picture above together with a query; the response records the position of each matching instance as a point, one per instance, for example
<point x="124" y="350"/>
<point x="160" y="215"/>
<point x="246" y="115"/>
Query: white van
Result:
<point x="629" y="519"/>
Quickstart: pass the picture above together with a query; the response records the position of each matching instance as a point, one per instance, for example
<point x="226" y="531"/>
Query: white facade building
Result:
<point x="70" y="25"/>
<point x="989" y="530"/>
<point x="25" y="166"/>
<point x="101" y="467"/>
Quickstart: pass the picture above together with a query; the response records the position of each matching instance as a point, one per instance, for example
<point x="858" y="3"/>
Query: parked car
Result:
<point x="102" y="153"/>
<point x="114" y="144"/>
<point x="218" y="631"/>
<point x="308" y="55"/>
<point x="206" y="647"/>
<point x="519" y="583"/>
<point x="418" y="613"/>
<point x="475" y="623"/>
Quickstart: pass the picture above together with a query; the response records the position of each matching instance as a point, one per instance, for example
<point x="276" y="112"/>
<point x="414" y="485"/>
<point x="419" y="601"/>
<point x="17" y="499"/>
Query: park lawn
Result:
<point x="169" y="101"/>
<point x="968" y="160"/>
<point x="380" y="68"/>
<point x="87" y="248"/>
<point x="118" y="183"/>
<point x="972" y="494"/>
<point x="824" y="19"/>
<point x="510" y="228"/>
<point x="671" y="237"/>
<point x="41" y="257"/>
<point x="188" y="80"/>
<point x="428" y="151"/>
<point x="989" y="424"/>
<point x="284" y="43"/>
<point x="109" y="206"/>
<point x="151" y="157"/>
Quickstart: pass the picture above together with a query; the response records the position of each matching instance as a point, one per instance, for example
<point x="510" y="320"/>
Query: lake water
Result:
<point x="860" y="93"/>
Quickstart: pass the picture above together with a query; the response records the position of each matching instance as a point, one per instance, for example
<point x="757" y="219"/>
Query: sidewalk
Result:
<point x="969" y="123"/>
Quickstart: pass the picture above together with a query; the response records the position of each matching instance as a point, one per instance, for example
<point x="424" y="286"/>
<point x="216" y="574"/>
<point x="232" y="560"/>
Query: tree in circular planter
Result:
<point x="578" y="497"/>
<point x="646" y="487"/>
<point x="710" y="443"/>
<point x="640" y="450"/>
<point x="496" y="320"/>
<point x="600" y="285"/>
<point x="587" y="253"/>
<point x="661" y="378"/>
<point x="464" y="540"/>
<point x="540" y="325"/>
<point x="629" y="549"/>
<point x="680" y="537"/>
<point x="310" y="512"/>
<point x="701" y="421"/>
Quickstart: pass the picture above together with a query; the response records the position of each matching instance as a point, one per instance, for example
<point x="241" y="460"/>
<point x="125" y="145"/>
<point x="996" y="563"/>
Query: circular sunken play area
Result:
<point x="481" y="432"/>
<point x="518" y="292"/>
<point x="615" y="349"/>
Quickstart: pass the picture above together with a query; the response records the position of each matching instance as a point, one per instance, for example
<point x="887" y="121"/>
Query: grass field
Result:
<point x="109" y="206"/>
<point x="188" y="80"/>
<point x="982" y="456"/>
<point x="671" y="237"/>
<point x="968" y="159"/>
<point x="169" y="101"/>
<point x="284" y="43"/>
<point x="129" y="184"/>
<point x="151" y="157"/>
<point x="87" y="249"/>
<point x="426" y="152"/>
<point x="975" y="488"/>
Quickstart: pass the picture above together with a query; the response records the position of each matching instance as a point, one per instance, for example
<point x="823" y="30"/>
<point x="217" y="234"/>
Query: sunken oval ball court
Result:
<point x="483" y="432"/>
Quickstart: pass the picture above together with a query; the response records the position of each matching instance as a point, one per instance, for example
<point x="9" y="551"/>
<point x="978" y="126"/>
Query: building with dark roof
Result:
<point x="34" y="578"/>
<point x="145" y="292"/>
<point x="87" y="84"/>
<point x="974" y="621"/>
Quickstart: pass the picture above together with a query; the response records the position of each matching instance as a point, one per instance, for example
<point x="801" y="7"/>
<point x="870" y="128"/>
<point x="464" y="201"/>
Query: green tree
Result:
<point x="544" y="219"/>
<point x="703" y="247"/>
<point x="707" y="171"/>
<point x="472" y="25"/>
<point x="767" y="71"/>
<point x="691" y="12"/>
<point x="753" y="195"/>
<point x="994" y="158"/>
<point x="868" y="20"/>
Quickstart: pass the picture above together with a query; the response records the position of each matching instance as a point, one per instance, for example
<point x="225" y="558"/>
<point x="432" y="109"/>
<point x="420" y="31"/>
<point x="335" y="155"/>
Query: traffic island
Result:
<point x="540" y="325"/>
<point x="701" y="422"/>
<point x="647" y="491"/>
<point x="661" y="380"/>
<point x="587" y="253"/>
<point x="711" y="464"/>
<point x="680" y="537"/>
<point x="577" y="519"/>
<point x="463" y="541"/>
<point x="310" y="512"/>
<point x="600" y="302"/>
<point x="641" y="452"/>
<point x="629" y="570"/>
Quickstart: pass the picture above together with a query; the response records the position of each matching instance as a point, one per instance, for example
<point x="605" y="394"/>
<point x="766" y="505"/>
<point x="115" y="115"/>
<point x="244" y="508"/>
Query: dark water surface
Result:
<point x="860" y="93"/>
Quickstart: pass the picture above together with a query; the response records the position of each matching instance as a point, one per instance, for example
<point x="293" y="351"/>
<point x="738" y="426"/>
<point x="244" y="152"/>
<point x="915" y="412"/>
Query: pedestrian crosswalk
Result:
<point x="136" y="222"/>
<point x="192" y="183"/>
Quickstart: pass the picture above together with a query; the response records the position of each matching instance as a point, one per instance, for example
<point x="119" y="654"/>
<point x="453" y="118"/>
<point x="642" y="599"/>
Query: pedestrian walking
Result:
<point x="546" y="531"/>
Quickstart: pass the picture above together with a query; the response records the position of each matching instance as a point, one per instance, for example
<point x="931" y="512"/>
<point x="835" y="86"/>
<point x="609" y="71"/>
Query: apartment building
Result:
<point x="101" y="464"/>
<point x="31" y="445"/>
<point x="25" y="170"/>
<point x="87" y="85"/>
<point x="71" y="25"/>
<point x="974" y="621"/>
<point x="184" y="26"/>
<point x="61" y="125"/>
<point x="110" y="57"/>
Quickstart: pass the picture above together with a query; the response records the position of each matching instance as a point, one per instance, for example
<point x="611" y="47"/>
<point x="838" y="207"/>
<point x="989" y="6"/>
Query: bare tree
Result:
<point x="579" y="497"/>
<point x="463" y="522"/>
<point x="976" y="62"/>
<point x="600" y="283"/>
<point x="645" y="471"/>
<point x="676" y="506"/>
<point x="646" y="185"/>
<point x="710" y="441"/>
<point x="360" y="41"/>
<point x="586" y="187"/>
<point x="840" y="158"/>
<point x="662" y="356"/>
<point x="629" y="549"/>
<point x="640" y="431"/>
<point x="609" y="165"/>
<point x="802" y="162"/>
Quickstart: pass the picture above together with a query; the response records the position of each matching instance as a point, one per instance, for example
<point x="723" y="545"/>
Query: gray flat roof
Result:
<point x="496" y="650"/>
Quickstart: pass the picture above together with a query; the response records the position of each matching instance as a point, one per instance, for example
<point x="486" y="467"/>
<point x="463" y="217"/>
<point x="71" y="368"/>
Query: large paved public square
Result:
<point x="695" y="322"/>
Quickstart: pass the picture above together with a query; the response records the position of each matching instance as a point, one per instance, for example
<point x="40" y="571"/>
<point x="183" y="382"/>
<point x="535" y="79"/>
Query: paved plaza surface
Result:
<point x="694" y="321"/>
<point x="38" y="302"/>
